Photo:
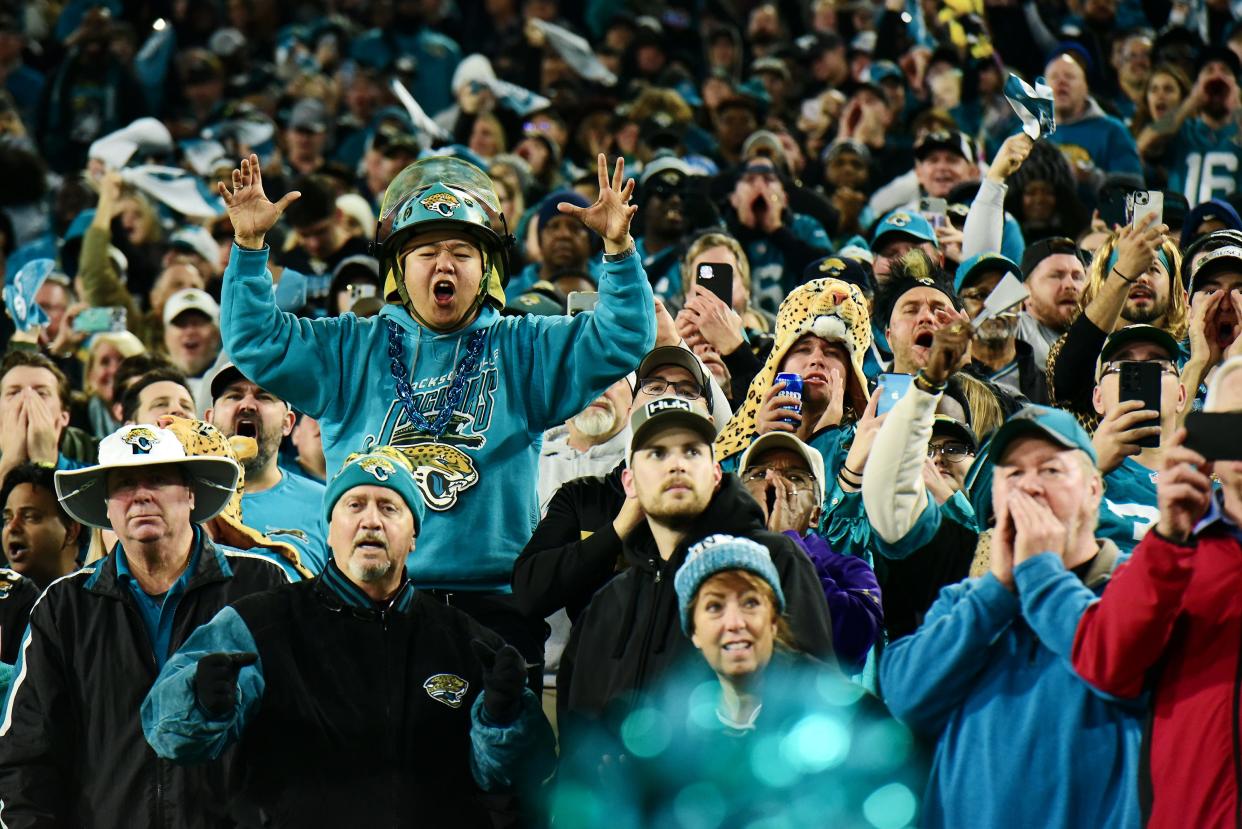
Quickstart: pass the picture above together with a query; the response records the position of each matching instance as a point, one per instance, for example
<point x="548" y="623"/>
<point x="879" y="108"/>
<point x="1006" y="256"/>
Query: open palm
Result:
<point x="250" y="210"/>
<point x="611" y="214"/>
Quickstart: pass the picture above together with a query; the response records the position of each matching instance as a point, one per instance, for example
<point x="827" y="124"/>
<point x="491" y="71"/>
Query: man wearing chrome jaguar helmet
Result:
<point x="439" y="373"/>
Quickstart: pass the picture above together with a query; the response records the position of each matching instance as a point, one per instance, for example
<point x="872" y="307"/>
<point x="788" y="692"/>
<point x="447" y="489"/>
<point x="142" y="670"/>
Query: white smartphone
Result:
<point x="1142" y="203"/>
<point x="579" y="301"/>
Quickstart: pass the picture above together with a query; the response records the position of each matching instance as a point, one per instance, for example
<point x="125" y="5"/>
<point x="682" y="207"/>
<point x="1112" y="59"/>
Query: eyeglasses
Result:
<point x="951" y="452"/>
<point x="1166" y="367"/>
<point x="656" y="386"/>
<point x="800" y="480"/>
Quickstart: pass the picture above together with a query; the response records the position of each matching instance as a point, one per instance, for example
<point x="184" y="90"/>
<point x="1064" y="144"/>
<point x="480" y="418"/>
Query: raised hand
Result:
<point x="1137" y="246"/>
<point x="1117" y="436"/>
<point x="612" y="213"/>
<point x="504" y="679"/>
<point x="772" y="418"/>
<point x="1183" y="491"/>
<point x="1010" y="157"/>
<point x="865" y="432"/>
<point x="250" y="210"/>
<point x="950" y="346"/>
<point x="718" y="323"/>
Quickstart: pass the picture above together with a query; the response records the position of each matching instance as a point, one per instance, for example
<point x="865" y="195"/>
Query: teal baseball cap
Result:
<point x="908" y="223"/>
<point x="1055" y="425"/>
<point x="380" y="466"/>
<point x="982" y="263"/>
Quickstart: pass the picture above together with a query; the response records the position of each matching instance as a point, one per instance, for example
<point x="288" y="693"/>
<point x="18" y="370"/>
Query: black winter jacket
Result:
<point x="17" y="596"/>
<point x="574" y="551"/>
<point x="72" y="752"/>
<point x="630" y="634"/>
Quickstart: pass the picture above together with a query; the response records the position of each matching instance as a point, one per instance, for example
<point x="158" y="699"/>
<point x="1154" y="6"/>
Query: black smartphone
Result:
<point x="717" y="277"/>
<point x="1141" y="381"/>
<point x="1214" y="435"/>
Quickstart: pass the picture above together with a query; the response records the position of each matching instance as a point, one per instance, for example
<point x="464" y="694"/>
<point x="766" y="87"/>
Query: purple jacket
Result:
<point x="853" y="596"/>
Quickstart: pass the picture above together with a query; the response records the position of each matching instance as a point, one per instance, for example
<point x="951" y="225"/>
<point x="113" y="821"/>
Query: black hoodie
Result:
<point x="630" y="634"/>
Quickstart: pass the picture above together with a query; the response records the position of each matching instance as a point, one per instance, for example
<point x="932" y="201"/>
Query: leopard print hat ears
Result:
<point x="201" y="438"/>
<point x="828" y="308"/>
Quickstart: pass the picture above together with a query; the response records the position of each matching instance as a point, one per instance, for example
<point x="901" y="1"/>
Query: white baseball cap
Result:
<point x="191" y="299"/>
<point x="83" y="492"/>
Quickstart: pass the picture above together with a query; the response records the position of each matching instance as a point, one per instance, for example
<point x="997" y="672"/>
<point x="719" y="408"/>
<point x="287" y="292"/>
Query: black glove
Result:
<point x="504" y="679"/>
<point x="215" y="681"/>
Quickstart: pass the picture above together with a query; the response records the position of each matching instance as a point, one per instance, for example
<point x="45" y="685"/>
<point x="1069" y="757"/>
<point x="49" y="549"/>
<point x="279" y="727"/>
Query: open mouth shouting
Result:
<point x="444" y="291"/>
<point x="17" y="551"/>
<point x="1141" y="294"/>
<point x="247" y="426"/>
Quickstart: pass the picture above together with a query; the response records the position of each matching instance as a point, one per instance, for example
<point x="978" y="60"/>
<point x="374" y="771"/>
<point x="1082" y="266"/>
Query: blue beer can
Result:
<point x="793" y="388"/>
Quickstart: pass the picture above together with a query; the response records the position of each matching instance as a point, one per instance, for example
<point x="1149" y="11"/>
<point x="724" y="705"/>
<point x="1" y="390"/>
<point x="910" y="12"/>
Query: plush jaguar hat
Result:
<point x="827" y="308"/>
<point x="201" y="439"/>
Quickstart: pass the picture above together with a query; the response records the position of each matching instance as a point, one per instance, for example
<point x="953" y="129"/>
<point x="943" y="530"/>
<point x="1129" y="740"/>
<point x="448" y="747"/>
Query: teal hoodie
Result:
<point x="478" y="478"/>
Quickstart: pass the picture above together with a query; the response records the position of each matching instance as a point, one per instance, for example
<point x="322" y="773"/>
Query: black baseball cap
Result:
<point x="1037" y="252"/>
<point x="954" y="141"/>
<point x="675" y="355"/>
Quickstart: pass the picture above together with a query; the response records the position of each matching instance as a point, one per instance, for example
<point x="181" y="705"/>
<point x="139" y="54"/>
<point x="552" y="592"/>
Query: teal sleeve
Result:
<point x="845" y="524"/>
<point x="174" y="724"/>
<point x="959" y="509"/>
<point x="277" y="350"/>
<point x="920" y="535"/>
<point x="927" y="675"/>
<point x="512" y="756"/>
<point x="571" y="361"/>
<point x="6" y="678"/>
<point x="1053" y="603"/>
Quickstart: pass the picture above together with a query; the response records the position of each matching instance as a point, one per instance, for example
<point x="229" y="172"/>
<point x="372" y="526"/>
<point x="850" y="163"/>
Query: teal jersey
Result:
<point x="1128" y="509"/>
<point x="1205" y="162"/>
<point x="291" y="511"/>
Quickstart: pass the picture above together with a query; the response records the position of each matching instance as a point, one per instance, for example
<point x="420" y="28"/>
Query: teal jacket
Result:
<point x="988" y="677"/>
<point x="478" y="477"/>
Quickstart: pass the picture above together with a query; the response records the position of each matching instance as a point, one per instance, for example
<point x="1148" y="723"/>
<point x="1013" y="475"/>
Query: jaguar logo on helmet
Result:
<point x="380" y="468"/>
<point x="141" y="440"/>
<point x="449" y="689"/>
<point x="443" y="203"/>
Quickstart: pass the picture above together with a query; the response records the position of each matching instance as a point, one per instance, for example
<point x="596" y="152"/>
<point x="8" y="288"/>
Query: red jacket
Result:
<point x="1171" y="623"/>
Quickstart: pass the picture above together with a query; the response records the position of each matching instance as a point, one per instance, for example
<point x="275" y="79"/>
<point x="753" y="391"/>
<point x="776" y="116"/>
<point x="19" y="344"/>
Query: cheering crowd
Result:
<point x="526" y="413"/>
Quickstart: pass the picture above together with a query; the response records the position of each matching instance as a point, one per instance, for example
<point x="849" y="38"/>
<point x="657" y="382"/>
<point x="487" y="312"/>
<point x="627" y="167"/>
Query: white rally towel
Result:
<point x="576" y="52"/>
<point x="421" y="120"/>
<point x="116" y="148"/>
<point x="1033" y="105"/>
<point x="180" y="190"/>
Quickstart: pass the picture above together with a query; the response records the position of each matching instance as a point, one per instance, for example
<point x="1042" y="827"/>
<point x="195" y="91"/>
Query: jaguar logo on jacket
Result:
<point x="449" y="689"/>
<point x="443" y="467"/>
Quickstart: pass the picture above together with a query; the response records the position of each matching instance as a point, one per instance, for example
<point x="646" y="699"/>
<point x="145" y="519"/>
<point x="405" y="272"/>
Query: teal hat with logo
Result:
<point x="382" y="466"/>
<point x="908" y="223"/>
<point x="982" y="263"/>
<point x="1056" y="425"/>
